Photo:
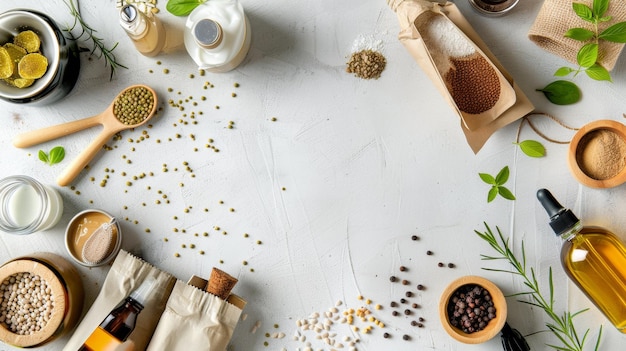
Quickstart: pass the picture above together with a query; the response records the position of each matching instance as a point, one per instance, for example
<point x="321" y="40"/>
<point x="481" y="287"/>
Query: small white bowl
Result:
<point x="81" y="227"/>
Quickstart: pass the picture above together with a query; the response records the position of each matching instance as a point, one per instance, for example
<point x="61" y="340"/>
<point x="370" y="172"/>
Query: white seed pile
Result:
<point x="26" y="303"/>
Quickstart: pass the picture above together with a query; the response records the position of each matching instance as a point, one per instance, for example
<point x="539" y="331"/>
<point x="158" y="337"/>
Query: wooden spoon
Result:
<point x="111" y="125"/>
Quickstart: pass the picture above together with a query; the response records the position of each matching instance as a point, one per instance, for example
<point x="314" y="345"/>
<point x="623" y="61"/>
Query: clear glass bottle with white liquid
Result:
<point x="217" y="35"/>
<point x="28" y="206"/>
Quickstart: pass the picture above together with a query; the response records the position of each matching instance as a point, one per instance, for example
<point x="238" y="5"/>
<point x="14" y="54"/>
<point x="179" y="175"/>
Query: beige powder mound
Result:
<point x="601" y="154"/>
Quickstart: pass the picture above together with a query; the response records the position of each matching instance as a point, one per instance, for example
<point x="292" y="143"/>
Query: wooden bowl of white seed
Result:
<point x="34" y="303"/>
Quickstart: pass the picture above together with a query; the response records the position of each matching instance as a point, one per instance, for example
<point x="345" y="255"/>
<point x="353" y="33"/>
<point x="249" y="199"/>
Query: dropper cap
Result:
<point x="561" y="219"/>
<point x="144" y="291"/>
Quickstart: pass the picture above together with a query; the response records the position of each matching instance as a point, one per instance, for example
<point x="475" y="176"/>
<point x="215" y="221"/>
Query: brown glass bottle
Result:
<point x="120" y="322"/>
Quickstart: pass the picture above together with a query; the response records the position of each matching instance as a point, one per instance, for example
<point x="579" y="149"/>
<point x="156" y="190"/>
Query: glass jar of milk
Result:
<point x="27" y="206"/>
<point x="217" y="35"/>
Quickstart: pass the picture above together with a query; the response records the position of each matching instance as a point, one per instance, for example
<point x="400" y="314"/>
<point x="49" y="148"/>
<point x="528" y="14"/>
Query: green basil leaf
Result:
<point x="506" y="193"/>
<point x="502" y="176"/>
<point x="599" y="7"/>
<point x="583" y="11"/>
<point x="563" y="71"/>
<point x="57" y="154"/>
<point x="493" y="192"/>
<point x="532" y="148"/>
<point x="43" y="156"/>
<point x="598" y="72"/>
<point x="615" y="33"/>
<point x="580" y="34"/>
<point x="561" y="92"/>
<point x="182" y="7"/>
<point x="587" y="55"/>
<point x="487" y="178"/>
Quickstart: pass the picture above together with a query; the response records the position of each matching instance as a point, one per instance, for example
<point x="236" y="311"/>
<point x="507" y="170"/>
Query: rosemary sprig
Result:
<point x="99" y="49"/>
<point x="561" y="325"/>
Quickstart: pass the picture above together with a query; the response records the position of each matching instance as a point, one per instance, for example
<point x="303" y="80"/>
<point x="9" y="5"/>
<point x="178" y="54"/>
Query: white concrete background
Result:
<point x="365" y="164"/>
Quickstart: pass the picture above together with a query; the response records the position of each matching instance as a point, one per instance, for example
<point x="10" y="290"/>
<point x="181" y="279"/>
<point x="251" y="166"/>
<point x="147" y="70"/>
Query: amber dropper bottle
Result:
<point x="593" y="258"/>
<point x="118" y="325"/>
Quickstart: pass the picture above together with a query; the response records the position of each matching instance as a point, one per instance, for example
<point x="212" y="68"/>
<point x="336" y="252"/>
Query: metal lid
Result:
<point x="207" y="33"/>
<point x="128" y="13"/>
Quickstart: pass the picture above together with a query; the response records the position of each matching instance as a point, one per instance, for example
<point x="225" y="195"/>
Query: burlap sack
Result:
<point x="557" y="17"/>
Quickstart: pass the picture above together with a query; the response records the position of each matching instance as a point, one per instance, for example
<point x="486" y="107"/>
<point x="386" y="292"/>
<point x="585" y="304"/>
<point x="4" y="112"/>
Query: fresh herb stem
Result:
<point x="561" y="325"/>
<point x="99" y="48"/>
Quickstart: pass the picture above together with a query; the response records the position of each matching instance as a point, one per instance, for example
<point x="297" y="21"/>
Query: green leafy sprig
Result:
<point x="561" y="325"/>
<point x="182" y="7"/>
<point x="497" y="184"/>
<point x="99" y="49"/>
<point x="56" y="155"/>
<point x="587" y="57"/>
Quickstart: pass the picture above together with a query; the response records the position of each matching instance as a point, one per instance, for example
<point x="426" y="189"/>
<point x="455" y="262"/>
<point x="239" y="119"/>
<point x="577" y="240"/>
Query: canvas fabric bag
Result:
<point x="125" y="275"/>
<point x="195" y="319"/>
<point x="556" y="17"/>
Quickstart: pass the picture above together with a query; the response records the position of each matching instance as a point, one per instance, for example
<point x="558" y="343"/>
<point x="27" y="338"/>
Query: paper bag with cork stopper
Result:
<point x="459" y="63"/>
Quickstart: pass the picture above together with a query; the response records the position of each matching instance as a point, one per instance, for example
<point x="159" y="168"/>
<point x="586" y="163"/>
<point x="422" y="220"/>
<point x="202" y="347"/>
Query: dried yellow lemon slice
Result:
<point x="32" y="66"/>
<point x="20" y="82"/>
<point x="7" y="67"/>
<point x="29" y="40"/>
<point x="16" y="52"/>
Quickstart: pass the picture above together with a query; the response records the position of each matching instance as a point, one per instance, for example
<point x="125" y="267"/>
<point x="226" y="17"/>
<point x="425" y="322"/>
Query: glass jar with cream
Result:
<point x="28" y="206"/>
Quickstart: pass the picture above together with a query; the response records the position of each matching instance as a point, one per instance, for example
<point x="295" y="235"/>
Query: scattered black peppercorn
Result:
<point x="393" y="304"/>
<point x="407" y="312"/>
<point x="403" y="300"/>
<point x="420" y="287"/>
<point x="421" y="319"/>
<point x="451" y="265"/>
<point x="414" y="323"/>
<point x="440" y="264"/>
<point x="394" y="313"/>
<point x="406" y="337"/>
<point x="408" y="294"/>
<point x="392" y="279"/>
<point x="386" y="335"/>
<point x="415" y="237"/>
<point x="405" y="282"/>
<point x="429" y="253"/>
<point x="402" y="268"/>
<point x="415" y="305"/>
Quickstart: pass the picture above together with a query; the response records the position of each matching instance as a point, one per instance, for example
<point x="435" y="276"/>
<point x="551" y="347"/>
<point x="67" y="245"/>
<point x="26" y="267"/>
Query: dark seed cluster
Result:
<point x="471" y="308"/>
<point x="474" y="84"/>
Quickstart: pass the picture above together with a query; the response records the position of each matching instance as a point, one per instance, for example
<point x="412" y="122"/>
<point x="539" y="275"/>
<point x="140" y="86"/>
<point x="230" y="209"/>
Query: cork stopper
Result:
<point x="220" y="283"/>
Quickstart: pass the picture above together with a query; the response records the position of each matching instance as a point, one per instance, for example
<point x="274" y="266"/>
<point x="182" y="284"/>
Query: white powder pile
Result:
<point x="442" y="35"/>
<point x="366" y="42"/>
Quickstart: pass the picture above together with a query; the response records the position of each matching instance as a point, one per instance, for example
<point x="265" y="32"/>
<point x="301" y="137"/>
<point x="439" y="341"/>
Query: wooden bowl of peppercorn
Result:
<point x="472" y="309"/>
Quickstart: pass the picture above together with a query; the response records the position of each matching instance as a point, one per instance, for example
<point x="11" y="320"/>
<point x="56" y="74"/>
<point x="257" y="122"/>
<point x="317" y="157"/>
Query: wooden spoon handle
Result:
<point x="53" y="132"/>
<point x="79" y="163"/>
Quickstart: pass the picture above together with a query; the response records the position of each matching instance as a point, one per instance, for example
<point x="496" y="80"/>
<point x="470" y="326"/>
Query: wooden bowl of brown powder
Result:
<point x="597" y="154"/>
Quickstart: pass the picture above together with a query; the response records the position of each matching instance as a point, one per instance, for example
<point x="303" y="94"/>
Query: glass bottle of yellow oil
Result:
<point x="593" y="258"/>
